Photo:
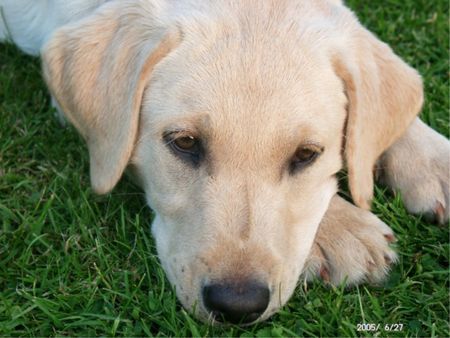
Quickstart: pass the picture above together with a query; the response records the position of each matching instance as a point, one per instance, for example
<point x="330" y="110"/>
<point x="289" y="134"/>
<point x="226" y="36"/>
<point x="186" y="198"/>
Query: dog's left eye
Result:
<point x="188" y="143"/>
<point x="304" y="156"/>
<point x="187" y="148"/>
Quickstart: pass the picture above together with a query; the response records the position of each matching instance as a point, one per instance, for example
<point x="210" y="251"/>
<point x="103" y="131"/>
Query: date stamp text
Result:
<point x="374" y="327"/>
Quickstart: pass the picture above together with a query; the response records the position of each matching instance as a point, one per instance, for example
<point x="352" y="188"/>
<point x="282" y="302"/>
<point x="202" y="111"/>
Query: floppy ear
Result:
<point x="97" y="69"/>
<point x="384" y="95"/>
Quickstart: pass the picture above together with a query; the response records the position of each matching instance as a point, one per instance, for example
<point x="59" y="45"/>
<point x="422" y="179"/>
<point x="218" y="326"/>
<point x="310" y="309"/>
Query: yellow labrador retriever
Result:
<point x="235" y="117"/>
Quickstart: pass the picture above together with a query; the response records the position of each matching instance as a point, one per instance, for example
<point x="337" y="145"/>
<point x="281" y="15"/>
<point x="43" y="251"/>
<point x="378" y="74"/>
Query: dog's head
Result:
<point x="235" y="117"/>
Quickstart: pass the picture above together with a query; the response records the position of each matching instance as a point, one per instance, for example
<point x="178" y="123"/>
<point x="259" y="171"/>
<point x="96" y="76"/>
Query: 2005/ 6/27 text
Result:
<point x="364" y="327"/>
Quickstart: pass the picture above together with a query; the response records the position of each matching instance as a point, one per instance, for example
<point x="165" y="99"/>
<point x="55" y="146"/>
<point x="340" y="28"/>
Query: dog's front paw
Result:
<point x="351" y="245"/>
<point x="418" y="166"/>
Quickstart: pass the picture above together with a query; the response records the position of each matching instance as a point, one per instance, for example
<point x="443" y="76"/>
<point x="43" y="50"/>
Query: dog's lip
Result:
<point x="211" y="320"/>
<point x="264" y="316"/>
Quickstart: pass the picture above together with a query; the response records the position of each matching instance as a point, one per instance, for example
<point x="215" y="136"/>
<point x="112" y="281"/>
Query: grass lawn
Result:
<point x="73" y="263"/>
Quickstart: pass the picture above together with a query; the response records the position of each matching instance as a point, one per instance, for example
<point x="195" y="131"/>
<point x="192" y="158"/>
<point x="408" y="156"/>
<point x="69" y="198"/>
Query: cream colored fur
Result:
<point x="417" y="166"/>
<point x="253" y="80"/>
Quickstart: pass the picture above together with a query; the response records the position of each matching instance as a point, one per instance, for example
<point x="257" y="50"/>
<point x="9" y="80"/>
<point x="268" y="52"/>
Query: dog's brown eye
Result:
<point x="187" y="148"/>
<point x="304" y="156"/>
<point x="185" y="143"/>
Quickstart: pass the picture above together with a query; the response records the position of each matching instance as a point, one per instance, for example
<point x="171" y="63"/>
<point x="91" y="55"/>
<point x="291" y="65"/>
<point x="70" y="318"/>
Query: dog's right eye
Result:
<point x="304" y="156"/>
<point x="187" y="148"/>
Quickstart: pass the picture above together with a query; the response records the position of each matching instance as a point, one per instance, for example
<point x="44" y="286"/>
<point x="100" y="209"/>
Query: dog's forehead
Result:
<point x="248" y="79"/>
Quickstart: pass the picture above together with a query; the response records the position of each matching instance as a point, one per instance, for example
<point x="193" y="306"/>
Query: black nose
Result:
<point x="237" y="303"/>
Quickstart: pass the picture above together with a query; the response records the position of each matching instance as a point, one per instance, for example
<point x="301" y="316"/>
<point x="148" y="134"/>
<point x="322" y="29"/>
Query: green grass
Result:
<point x="73" y="263"/>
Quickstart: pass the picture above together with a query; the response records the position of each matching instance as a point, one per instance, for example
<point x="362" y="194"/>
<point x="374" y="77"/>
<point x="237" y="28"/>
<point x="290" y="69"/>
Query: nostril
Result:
<point x="241" y="302"/>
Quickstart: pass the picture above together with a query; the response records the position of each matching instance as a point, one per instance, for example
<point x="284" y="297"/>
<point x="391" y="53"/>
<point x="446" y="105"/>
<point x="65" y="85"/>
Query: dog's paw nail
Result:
<point x="324" y="274"/>
<point x="390" y="238"/>
<point x="387" y="259"/>
<point x="371" y="265"/>
<point x="439" y="212"/>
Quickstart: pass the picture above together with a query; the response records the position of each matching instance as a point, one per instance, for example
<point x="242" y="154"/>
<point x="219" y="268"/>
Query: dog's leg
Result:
<point x="418" y="166"/>
<point x="59" y="113"/>
<point x="351" y="245"/>
<point x="29" y="23"/>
